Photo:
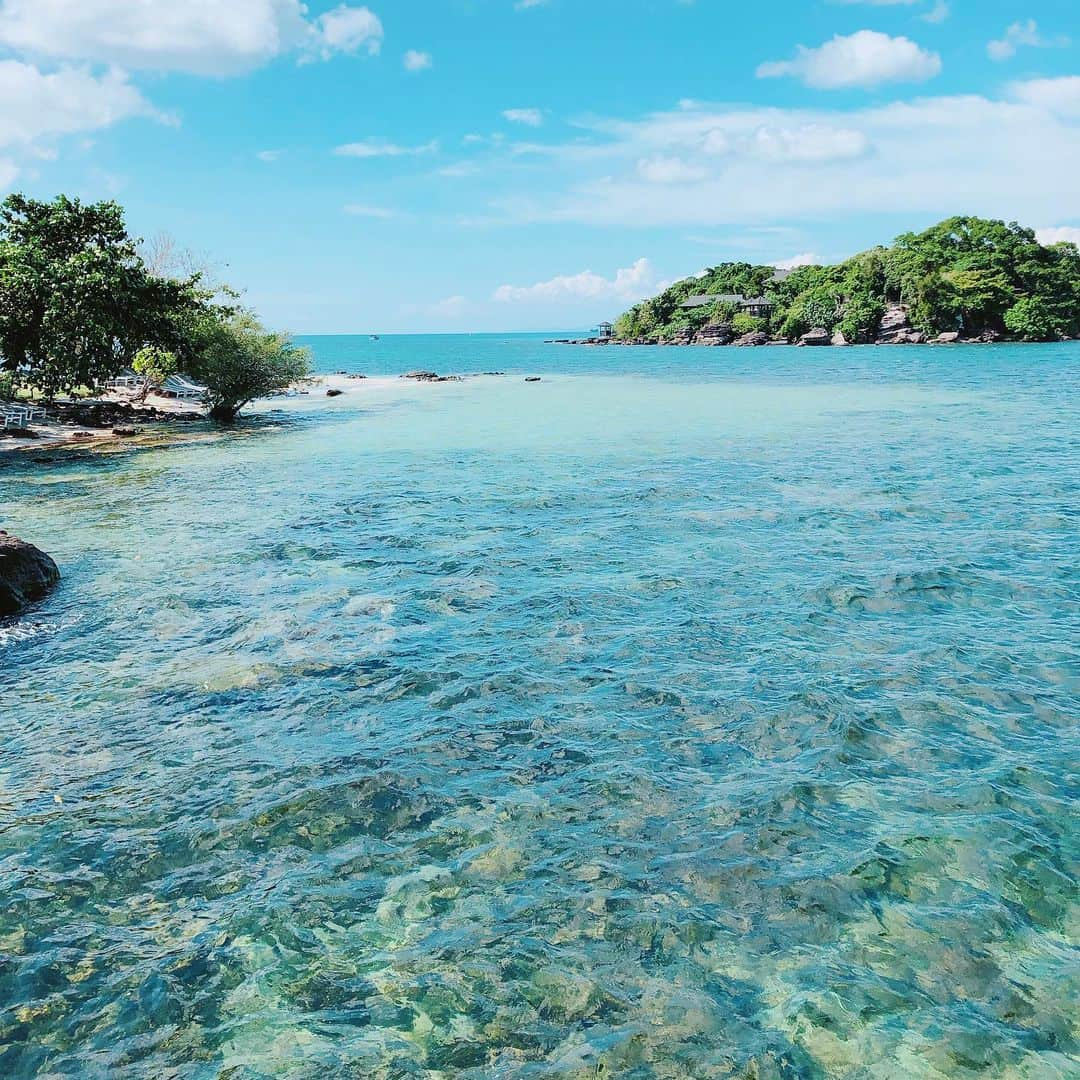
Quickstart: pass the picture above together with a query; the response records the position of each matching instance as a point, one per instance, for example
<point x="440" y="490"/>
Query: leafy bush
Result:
<point x="747" y="324"/>
<point x="240" y="361"/>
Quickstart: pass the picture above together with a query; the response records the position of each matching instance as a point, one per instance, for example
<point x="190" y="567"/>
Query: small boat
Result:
<point x="374" y="337"/>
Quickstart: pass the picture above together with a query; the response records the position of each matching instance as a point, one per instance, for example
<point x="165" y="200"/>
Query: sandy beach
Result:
<point x="320" y="390"/>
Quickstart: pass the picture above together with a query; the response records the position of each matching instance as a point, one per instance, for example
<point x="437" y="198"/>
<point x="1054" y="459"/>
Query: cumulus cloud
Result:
<point x="528" y="117"/>
<point x="1058" y="234"/>
<point x="1059" y="96"/>
<point x="35" y="105"/>
<point x="1018" y="35"/>
<point x="928" y="157"/>
<point x="864" y="59"/>
<point x="808" y="143"/>
<point x="346" y="30"/>
<point x="807" y="258"/>
<point x="202" y="37"/>
<point x="628" y="285"/>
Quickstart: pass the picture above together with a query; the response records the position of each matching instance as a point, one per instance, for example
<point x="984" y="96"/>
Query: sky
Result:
<point x="492" y="165"/>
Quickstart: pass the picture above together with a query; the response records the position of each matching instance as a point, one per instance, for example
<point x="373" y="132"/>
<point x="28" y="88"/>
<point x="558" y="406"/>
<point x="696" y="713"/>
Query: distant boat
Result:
<point x="374" y="337"/>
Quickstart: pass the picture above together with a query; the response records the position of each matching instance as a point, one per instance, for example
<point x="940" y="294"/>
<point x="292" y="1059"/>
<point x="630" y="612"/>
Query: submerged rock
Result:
<point x="533" y="378"/>
<point x="26" y="574"/>
<point x="334" y="393"/>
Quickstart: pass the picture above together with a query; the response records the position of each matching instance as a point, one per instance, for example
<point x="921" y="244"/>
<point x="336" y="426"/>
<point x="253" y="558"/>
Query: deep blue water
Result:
<point x="690" y="713"/>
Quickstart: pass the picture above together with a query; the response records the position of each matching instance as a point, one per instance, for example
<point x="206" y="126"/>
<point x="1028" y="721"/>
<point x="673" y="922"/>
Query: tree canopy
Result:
<point x="966" y="274"/>
<point x="79" y="303"/>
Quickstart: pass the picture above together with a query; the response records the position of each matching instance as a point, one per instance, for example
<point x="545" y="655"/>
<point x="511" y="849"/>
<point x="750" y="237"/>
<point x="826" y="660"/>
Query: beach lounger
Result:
<point x="179" y="387"/>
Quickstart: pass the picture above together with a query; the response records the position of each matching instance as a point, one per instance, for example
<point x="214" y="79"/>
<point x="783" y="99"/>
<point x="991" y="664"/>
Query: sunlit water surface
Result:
<point x="691" y="713"/>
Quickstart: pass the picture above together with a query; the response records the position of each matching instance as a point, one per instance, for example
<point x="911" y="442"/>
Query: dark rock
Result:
<point x="714" y="333"/>
<point x="533" y="378"/>
<point x="126" y="432"/>
<point x="754" y="338"/>
<point x="82" y="435"/>
<point x="334" y="393"/>
<point x="816" y="337"/>
<point x="26" y="574"/>
<point x="421" y="376"/>
<point x="895" y="326"/>
<point x="20" y="433"/>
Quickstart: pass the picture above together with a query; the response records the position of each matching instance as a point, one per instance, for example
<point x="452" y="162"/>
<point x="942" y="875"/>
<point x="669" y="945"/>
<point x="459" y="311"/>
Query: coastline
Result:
<point x="165" y="421"/>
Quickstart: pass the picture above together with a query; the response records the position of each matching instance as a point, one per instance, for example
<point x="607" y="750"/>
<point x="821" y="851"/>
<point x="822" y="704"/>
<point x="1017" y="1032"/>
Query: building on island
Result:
<point x="605" y="331"/>
<point x="758" y="306"/>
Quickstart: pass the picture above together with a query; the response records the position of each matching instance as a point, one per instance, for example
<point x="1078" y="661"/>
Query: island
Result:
<point x="965" y="279"/>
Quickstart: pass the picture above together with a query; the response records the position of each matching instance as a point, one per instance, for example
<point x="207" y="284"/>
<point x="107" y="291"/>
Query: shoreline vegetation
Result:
<point x="86" y="309"/>
<point x="965" y="280"/>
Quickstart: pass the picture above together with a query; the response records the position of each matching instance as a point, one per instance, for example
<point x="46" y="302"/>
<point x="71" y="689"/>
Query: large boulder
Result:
<point x="26" y="574"/>
<point x="950" y="337"/>
<point x="817" y="337"/>
<point x="715" y="333"/>
<point x="754" y="338"/>
<point x="839" y="340"/>
<point x="895" y="326"/>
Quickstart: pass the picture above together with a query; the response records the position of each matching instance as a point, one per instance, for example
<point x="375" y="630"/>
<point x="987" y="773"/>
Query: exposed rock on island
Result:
<point x="26" y="574"/>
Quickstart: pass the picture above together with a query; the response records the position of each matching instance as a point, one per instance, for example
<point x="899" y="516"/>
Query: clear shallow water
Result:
<point x="688" y="714"/>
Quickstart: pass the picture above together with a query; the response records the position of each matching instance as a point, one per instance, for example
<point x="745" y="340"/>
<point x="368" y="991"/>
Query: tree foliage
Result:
<point x="239" y="361"/>
<point x="80" y="302"/>
<point x="966" y="274"/>
<point x="76" y="301"/>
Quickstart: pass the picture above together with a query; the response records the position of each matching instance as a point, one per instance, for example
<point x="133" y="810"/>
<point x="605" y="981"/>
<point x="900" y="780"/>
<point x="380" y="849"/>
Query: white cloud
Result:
<point x="1059" y="96"/>
<point x="808" y="143"/>
<point x="866" y="59"/>
<point x="380" y="213"/>
<point x="416" y="61"/>
<point x="1059" y="234"/>
<point x="669" y="170"/>
<point x="1018" y="35"/>
<point x="35" y="105"/>
<point x="528" y="117"/>
<point x="628" y="285"/>
<point x="345" y="30"/>
<point x="268" y="155"/>
<point x="920" y="159"/>
<point x="9" y="173"/>
<point x="203" y="37"/>
<point x="380" y="148"/>
<point x="807" y="258"/>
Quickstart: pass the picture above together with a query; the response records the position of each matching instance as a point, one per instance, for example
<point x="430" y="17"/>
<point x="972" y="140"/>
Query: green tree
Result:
<point x="76" y="300"/>
<point x="155" y="365"/>
<point x="1031" y="320"/>
<point x="239" y="361"/>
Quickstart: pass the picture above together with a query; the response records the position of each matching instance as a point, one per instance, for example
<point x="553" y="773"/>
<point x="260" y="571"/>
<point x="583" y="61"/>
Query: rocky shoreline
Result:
<point x="895" y="329"/>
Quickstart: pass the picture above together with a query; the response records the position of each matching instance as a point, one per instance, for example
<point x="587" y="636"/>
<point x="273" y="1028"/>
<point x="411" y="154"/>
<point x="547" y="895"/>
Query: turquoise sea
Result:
<point x="690" y="713"/>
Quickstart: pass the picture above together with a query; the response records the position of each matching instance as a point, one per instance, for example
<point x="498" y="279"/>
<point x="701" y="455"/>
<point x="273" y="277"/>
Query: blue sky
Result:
<point x="492" y="165"/>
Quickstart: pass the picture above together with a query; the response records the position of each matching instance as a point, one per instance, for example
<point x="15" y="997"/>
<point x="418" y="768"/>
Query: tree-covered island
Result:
<point x="964" y="279"/>
<point x="80" y="303"/>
